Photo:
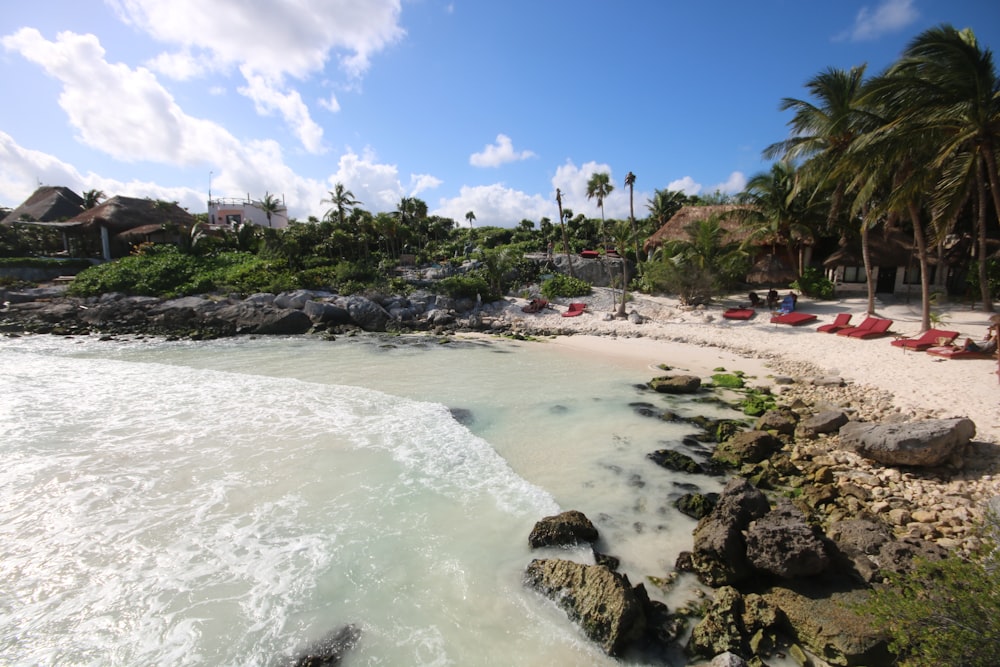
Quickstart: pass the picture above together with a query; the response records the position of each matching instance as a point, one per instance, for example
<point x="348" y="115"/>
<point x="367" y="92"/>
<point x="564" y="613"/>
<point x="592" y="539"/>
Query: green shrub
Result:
<point x="813" y="283"/>
<point x="943" y="612"/>
<point x="565" y="286"/>
<point x="466" y="287"/>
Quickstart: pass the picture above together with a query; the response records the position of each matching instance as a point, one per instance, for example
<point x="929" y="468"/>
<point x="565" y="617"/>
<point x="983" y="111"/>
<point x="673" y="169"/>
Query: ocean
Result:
<point x="228" y="502"/>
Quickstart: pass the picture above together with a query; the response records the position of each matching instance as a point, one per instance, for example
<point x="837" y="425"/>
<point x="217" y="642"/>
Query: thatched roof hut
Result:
<point x="47" y="204"/>
<point x="674" y="228"/>
<point x="122" y="214"/>
<point x="886" y="248"/>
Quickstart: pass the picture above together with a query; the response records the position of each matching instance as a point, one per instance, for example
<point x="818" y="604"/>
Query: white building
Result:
<point x="230" y="212"/>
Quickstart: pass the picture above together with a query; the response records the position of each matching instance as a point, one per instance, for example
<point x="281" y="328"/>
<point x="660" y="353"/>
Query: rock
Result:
<point x="326" y="313"/>
<point x="365" y="313"/>
<point x="727" y="659"/>
<point x="828" y="381"/>
<point x="783" y="543"/>
<point x="780" y="420"/>
<point x="329" y="650"/>
<point x="719" y="554"/>
<point x="671" y="460"/>
<point x="824" y="621"/>
<point x="697" y="505"/>
<point x="828" y="421"/>
<point x="857" y="543"/>
<point x="927" y="443"/>
<point x="675" y="384"/>
<point x="747" y="447"/>
<point x="567" y="529"/>
<point x="730" y="622"/>
<point x="604" y="603"/>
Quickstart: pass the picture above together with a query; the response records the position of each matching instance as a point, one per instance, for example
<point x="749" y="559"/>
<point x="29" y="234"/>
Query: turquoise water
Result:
<point x="225" y="502"/>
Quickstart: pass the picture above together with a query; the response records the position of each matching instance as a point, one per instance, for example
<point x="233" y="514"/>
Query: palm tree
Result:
<point x="953" y="94"/>
<point x="270" y="204"/>
<point x="622" y="235"/>
<point x="342" y="201"/>
<point x="703" y="262"/>
<point x="92" y="198"/>
<point x="562" y="223"/>
<point x="630" y="183"/>
<point x="775" y="210"/>
<point x="664" y="204"/>
<point x="470" y="216"/>
<point x="599" y="187"/>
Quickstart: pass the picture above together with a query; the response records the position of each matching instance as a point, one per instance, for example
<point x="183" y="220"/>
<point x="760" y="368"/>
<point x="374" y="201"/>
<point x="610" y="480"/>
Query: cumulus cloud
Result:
<point x="572" y="181"/>
<point x="687" y="185"/>
<point x="268" y="98"/>
<point x="496" y="205"/>
<point x="494" y="155"/>
<point x="889" y="16"/>
<point x="735" y="183"/>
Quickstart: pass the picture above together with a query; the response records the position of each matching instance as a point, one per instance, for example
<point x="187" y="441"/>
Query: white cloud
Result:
<point x="180" y="66"/>
<point x="267" y="99"/>
<point x="331" y="103"/>
<point x="735" y="183"/>
<point x="889" y="16"/>
<point x="494" y="155"/>
<point x="496" y="205"/>
<point x="687" y="185"/>
<point x="419" y="183"/>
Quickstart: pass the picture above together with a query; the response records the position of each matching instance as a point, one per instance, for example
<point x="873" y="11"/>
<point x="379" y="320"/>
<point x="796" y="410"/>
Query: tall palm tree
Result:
<point x="470" y="216"/>
<point x="622" y="235"/>
<point x="270" y="204"/>
<point x="664" y="204"/>
<point x="599" y="187"/>
<point x="953" y="94"/>
<point x="630" y="183"/>
<point x="92" y="198"/>
<point x="562" y="223"/>
<point x="342" y="201"/>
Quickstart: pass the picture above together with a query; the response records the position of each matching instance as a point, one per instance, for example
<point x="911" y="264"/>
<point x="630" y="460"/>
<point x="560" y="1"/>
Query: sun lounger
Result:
<point x="868" y="323"/>
<point x="739" y="313"/>
<point x="535" y="305"/>
<point x="575" y="309"/>
<point x="839" y="322"/>
<point x="877" y="330"/>
<point x="794" y="319"/>
<point x="952" y="352"/>
<point x="928" y="339"/>
<point x="589" y="254"/>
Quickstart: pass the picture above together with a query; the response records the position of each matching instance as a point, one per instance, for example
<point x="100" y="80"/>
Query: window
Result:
<point x="854" y="274"/>
<point x="912" y="275"/>
<point x="233" y="219"/>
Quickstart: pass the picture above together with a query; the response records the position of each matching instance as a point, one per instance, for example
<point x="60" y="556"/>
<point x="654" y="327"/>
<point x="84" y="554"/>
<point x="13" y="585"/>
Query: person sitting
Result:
<point x="755" y="301"/>
<point x="987" y="346"/>
<point x="772" y="299"/>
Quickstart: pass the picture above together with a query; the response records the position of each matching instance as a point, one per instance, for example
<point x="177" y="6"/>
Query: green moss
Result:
<point x="727" y="380"/>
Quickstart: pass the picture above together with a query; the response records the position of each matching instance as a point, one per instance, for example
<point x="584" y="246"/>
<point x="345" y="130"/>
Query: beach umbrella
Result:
<point x="769" y="270"/>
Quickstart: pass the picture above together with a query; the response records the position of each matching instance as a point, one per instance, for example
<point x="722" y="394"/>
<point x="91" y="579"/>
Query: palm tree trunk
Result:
<point x="866" y="257"/>
<point x="621" y="308"/>
<point x="984" y="284"/>
<point x="991" y="170"/>
<point x="920" y="240"/>
<point x="569" y="259"/>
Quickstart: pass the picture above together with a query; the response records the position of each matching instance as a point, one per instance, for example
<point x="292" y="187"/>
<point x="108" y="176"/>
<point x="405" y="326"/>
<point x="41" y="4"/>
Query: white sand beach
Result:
<point x="920" y="383"/>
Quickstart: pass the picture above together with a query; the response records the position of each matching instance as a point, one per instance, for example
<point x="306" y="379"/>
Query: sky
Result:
<point x="470" y="105"/>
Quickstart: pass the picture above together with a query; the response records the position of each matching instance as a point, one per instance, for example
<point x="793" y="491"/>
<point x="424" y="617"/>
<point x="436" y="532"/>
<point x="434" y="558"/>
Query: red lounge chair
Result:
<point x="739" y="313"/>
<point x="930" y="338"/>
<point x="590" y="254"/>
<point x="575" y="309"/>
<point x="868" y="323"/>
<point x="877" y="330"/>
<point x="951" y="352"/>
<point x="793" y="318"/>
<point x="839" y="322"/>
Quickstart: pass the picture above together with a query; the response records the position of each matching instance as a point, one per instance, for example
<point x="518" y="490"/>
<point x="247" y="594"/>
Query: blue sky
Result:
<point x="467" y="104"/>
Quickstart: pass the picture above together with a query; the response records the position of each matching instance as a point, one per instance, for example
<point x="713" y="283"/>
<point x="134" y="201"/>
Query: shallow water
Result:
<point x="225" y="502"/>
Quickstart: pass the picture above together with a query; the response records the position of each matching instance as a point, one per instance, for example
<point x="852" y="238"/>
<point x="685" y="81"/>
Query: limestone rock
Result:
<point x="605" y="605"/>
<point x="675" y="384"/>
<point x="828" y="421"/>
<point x="731" y="621"/>
<point x="569" y="528"/>
<point x="927" y="443"/>
<point x="719" y="554"/>
<point x="365" y="313"/>
<point x="747" y="447"/>
<point x="780" y="420"/>
<point x="783" y="543"/>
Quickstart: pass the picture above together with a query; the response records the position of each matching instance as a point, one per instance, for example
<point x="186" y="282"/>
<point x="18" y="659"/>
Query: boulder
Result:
<point x="675" y="384"/>
<point x="719" y="554"/>
<point x="324" y="312"/>
<point x="604" y="604"/>
<point x="747" y="447"/>
<point x="677" y="461"/>
<point x="730" y="623"/>
<point x="926" y="443"/>
<point x="779" y="420"/>
<point x="365" y="313"/>
<point x="697" y="505"/>
<point x="329" y="650"/>
<point x="828" y="421"/>
<point x="569" y="528"/>
<point x="782" y="543"/>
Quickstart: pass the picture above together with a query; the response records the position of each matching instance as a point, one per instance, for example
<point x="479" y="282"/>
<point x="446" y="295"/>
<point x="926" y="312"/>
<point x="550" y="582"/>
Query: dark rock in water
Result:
<point x="697" y="505"/>
<point x="608" y="561"/>
<point x="558" y="409"/>
<point x="927" y="443"/>
<point x="463" y="416"/>
<point x="676" y="461"/>
<point x="330" y="650"/>
<point x="675" y="384"/>
<point x="605" y="605"/>
<point x="747" y="447"/>
<point x="687" y="487"/>
<point x="644" y="409"/>
<point x="562" y="530"/>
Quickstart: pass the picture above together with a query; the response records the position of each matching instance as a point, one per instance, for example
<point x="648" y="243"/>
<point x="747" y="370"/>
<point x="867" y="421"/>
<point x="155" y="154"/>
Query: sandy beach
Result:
<point x="921" y="384"/>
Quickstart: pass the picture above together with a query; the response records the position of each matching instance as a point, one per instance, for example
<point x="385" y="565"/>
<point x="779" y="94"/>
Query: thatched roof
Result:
<point x="891" y="248"/>
<point x="121" y="214"/>
<point x="674" y="229"/>
<point x="47" y="204"/>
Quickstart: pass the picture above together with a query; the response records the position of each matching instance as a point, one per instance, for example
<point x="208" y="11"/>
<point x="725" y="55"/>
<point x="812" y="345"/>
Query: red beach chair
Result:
<point x="868" y="323"/>
<point x="877" y="330"/>
<point x="928" y="339"/>
<point x="739" y="313"/>
<point x="575" y="309"/>
<point x="839" y="322"/>
<point x="795" y="319"/>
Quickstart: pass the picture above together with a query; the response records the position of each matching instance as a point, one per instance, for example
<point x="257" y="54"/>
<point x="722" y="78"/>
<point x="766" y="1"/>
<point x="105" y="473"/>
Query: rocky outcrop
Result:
<point x="675" y="384"/>
<point x="747" y="447"/>
<point x="926" y="443"/>
<point x="603" y="603"/>
<point x="569" y="528"/>
<point x="828" y="421"/>
<point x="676" y="461"/>
<point x="783" y="544"/>
<point x="741" y="625"/>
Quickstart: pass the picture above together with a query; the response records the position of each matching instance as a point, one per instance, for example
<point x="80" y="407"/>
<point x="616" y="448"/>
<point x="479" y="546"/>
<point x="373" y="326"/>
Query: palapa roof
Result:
<point x="122" y="214"/>
<point x="886" y="248"/>
<point x="47" y="204"/>
<point x="674" y="228"/>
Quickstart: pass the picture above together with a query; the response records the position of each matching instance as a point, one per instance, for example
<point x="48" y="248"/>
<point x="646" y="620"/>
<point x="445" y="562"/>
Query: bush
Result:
<point x="944" y="612"/>
<point x="813" y="283"/>
<point x="466" y="287"/>
<point x="565" y="286"/>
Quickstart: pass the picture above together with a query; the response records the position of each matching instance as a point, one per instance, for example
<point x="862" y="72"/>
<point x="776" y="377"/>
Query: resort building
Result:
<point x="229" y="212"/>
